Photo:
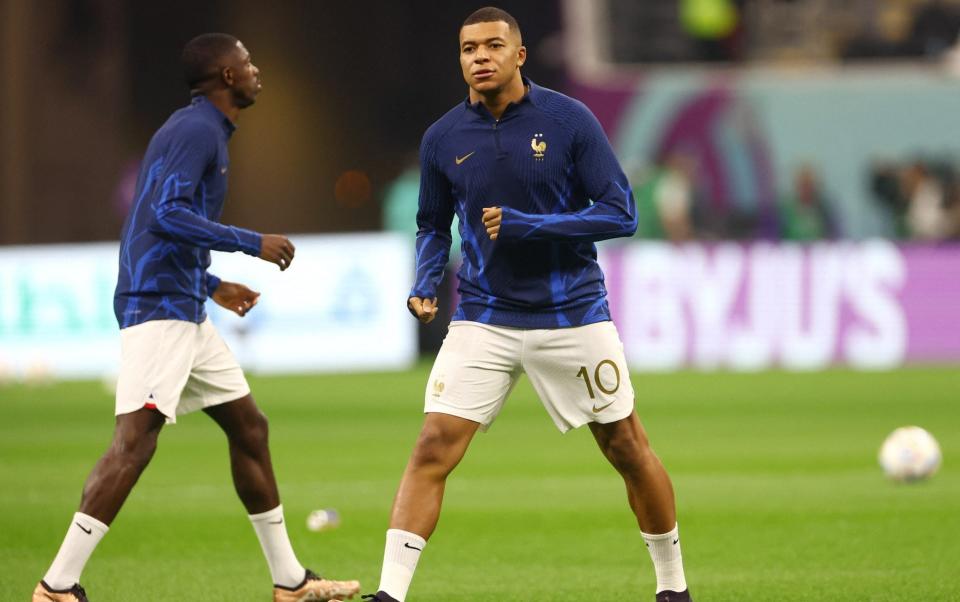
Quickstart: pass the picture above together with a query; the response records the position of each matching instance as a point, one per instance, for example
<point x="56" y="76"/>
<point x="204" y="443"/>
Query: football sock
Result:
<point x="83" y="535"/>
<point x="400" y="557"/>
<point x="285" y="569"/>
<point x="667" y="563"/>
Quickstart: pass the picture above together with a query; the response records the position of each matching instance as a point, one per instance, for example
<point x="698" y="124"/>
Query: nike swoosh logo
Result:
<point x="276" y="522"/>
<point x="597" y="410"/>
<point x="405" y="544"/>
<point x="676" y="541"/>
<point x="84" y="529"/>
<point x="460" y="160"/>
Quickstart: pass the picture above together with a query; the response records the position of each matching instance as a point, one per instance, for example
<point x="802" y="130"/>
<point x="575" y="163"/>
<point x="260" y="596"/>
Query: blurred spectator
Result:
<point x="951" y="59"/>
<point x="674" y="198"/>
<point x="926" y="218"/>
<point x="666" y="201"/>
<point x="922" y="197"/>
<point x="804" y="212"/>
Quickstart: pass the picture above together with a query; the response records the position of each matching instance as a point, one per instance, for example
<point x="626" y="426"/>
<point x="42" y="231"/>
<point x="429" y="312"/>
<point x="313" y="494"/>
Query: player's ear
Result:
<point x="226" y="74"/>
<point x="521" y="56"/>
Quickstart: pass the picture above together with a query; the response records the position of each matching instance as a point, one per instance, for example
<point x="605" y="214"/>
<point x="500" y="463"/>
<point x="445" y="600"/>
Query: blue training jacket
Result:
<point x="172" y="226"/>
<point x="548" y="164"/>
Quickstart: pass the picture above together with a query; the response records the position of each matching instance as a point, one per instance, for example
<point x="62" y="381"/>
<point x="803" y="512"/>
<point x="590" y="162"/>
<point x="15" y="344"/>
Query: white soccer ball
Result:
<point x="322" y="520"/>
<point x="910" y="454"/>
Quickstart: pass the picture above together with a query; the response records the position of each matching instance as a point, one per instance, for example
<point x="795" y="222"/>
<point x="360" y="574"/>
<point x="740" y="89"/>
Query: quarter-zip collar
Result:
<point x="202" y="103"/>
<point x="533" y="92"/>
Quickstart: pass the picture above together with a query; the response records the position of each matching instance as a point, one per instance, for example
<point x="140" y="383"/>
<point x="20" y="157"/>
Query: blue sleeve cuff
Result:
<point x="422" y="294"/>
<point x="509" y="224"/>
<point x="212" y="284"/>
<point x="249" y="241"/>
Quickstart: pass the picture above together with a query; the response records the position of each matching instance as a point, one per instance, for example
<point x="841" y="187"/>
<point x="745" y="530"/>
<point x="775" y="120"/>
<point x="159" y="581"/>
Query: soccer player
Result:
<point x="173" y="361"/>
<point x="534" y="182"/>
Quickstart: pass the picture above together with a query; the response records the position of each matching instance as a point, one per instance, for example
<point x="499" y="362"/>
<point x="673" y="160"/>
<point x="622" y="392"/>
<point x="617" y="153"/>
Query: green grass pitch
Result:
<point x="779" y="492"/>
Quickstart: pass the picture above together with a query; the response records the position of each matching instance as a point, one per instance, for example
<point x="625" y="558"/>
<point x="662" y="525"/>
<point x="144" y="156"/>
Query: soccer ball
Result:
<point x="910" y="454"/>
<point x="322" y="520"/>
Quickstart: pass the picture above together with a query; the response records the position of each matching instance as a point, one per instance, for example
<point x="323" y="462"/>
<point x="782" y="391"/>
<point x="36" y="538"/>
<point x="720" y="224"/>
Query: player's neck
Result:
<point x="497" y="100"/>
<point x="224" y="102"/>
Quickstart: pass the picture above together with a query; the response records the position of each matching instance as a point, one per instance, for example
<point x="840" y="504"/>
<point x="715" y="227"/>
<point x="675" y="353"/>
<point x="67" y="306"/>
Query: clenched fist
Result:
<point x="491" y="221"/>
<point x="424" y="310"/>
<point x="277" y="249"/>
<point x="236" y="297"/>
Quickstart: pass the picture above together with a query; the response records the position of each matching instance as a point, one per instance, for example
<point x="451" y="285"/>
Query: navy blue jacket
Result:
<point x="172" y="226"/>
<point x="548" y="164"/>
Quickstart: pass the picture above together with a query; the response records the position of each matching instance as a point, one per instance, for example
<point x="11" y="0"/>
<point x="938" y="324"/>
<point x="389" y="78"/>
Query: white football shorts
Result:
<point x="580" y="373"/>
<point x="177" y="367"/>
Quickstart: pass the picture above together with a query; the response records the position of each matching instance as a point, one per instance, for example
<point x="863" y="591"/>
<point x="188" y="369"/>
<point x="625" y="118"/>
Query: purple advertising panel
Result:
<point x="868" y="305"/>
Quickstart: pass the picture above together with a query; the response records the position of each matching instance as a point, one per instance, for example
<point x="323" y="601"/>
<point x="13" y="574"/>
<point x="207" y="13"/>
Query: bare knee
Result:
<point x="629" y="452"/>
<point x="134" y="447"/>
<point x="434" y="451"/>
<point x="254" y="436"/>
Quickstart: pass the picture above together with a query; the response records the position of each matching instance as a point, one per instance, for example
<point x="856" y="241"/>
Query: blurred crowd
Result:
<point x="674" y="206"/>
<point x="739" y="31"/>
<point x="904" y="29"/>
<point x="921" y="198"/>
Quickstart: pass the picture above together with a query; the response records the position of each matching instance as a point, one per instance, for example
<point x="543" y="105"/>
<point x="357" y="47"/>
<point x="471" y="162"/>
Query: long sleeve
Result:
<point x="212" y="283"/>
<point x="174" y="215"/>
<point x="434" y="217"/>
<point x="613" y="211"/>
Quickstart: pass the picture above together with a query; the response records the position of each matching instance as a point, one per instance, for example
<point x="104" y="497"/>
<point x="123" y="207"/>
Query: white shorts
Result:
<point x="177" y="367"/>
<point x="580" y="374"/>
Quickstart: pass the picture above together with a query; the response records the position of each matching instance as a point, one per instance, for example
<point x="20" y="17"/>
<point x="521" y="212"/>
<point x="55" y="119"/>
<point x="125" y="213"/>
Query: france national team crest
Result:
<point x="539" y="146"/>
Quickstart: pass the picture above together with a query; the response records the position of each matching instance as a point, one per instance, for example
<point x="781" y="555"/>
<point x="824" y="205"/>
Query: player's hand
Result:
<point x="424" y="310"/>
<point x="491" y="221"/>
<point x="277" y="249"/>
<point x="236" y="297"/>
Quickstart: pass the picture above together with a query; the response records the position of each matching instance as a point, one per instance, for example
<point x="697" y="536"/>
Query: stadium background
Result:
<point x="791" y="297"/>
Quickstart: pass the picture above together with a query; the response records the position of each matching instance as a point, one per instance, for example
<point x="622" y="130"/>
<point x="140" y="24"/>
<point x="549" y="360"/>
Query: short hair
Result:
<point x="492" y="14"/>
<point x="202" y="55"/>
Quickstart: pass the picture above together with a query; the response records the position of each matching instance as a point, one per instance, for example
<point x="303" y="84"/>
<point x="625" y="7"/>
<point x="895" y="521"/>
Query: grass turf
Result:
<point x="778" y="490"/>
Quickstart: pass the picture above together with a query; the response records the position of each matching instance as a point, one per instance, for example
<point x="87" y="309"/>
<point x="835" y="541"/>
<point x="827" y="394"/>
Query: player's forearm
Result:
<point x="600" y="221"/>
<point x="433" y="251"/>
<point x="182" y="225"/>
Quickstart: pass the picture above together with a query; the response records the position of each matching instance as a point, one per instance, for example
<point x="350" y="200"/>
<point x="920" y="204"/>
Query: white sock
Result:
<point x="400" y="557"/>
<point x="83" y="535"/>
<point x="667" y="563"/>
<point x="285" y="569"/>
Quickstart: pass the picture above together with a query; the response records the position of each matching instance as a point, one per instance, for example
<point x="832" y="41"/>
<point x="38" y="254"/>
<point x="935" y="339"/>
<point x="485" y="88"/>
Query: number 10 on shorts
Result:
<point x="598" y="381"/>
